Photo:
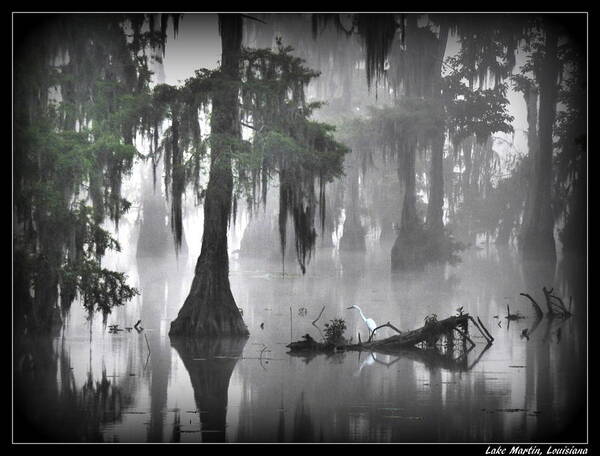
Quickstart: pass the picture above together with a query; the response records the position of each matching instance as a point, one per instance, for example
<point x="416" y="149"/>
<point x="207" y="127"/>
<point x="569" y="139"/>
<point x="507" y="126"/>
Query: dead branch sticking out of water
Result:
<point x="536" y="306"/>
<point x="510" y="317"/>
<point x="317" y="319"/>
<point x="555" y="304"/>
<point x="386" y="325"/>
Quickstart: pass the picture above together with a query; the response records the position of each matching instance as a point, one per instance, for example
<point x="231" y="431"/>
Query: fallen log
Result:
<point x="428" y="334"/>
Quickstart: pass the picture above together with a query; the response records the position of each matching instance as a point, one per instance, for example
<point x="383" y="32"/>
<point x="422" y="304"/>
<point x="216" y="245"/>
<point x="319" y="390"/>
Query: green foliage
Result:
<point x="81" y="90"/>
<point x="334" y="331"/>
<point x="570" y="161"/>
<point x="285" y="143"/>
<point x="431" y="320"/>
<point x="488" y="44"/>
<point x="101" y="289"/>
<point x="377" y="32"/>
<point x="408" y="121"/>
<point x="480" y="112"/>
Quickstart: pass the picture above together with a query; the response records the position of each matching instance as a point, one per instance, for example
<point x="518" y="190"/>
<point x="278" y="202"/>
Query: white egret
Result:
<point x="369" y="321"/>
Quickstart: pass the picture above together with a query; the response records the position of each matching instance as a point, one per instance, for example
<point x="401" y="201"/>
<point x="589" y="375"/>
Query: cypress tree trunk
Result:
<point x="347" y="85"/>
<point x="531" y="99"/>
<point x="574" y="233"/>
<point x="353" y="238"/>
<point x="404" y="251"/>
<point x="537" y="234"/>
<point x="424" y="81"/>
<point x="408" y="221"/>
<point x="506" y="225"/>
<point x="532" y="119"/>
<point x="435" y="208"/>
<point x="210" y="308"/>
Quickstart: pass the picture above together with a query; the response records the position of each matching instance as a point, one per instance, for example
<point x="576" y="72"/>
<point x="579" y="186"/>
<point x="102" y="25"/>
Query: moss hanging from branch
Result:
<point x="302" y="153"/>
<point x="80" y="88"/>
<point x="378" y="32"/>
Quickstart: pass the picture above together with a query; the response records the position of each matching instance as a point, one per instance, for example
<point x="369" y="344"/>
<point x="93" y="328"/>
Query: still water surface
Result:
<point x="143" y="387"/>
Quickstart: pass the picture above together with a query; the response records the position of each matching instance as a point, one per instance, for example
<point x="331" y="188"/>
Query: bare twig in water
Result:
<point x="536" y="306"/>
<point x="486" y="335"/>
<point x="547" y="294"/>
<point x="147" y="344"/>
<point x="486" y="348"/>
<point x="317" y="319"/>
<point x="562" y="306"/>
<point x="534" y="327"/>
<point x="320" y="313"/>
<point x="491" y="339"/>
<point x="558" y="306"/>
<point x="398" y="358"/>
<point x="260" y="357"/>
<point x="510" y="316"/>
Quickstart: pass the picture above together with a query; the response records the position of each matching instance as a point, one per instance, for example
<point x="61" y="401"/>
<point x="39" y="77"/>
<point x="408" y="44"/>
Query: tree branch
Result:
<point x="388" y="325"/>
<point x="536" y="306"/>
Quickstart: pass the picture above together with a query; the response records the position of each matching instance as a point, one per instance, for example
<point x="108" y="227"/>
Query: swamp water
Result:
<point x="90" y="385"/>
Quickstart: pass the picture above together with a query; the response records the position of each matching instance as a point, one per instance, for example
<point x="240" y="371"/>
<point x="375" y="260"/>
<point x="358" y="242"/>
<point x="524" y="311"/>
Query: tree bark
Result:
<point x="435" y="208"/>
<point x="353" y="238"/>
<point x="537" y="234"/>
<point x="408" y="220"/>
<point x="404" y="251"/>
<point x="210" y="308"/>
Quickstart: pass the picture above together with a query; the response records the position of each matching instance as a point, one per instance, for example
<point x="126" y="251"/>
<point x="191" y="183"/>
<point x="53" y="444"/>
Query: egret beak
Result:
<point x="350" y="307"/>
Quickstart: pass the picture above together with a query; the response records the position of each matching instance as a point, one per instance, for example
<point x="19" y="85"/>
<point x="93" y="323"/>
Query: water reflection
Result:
<point x="145" y="387"/>
<point x="51" y="407"/>
<point x="157" y="283"/>
<point x="209" y="363"/>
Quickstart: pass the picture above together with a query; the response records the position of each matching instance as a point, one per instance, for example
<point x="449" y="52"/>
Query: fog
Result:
<point x="186" y="243"/>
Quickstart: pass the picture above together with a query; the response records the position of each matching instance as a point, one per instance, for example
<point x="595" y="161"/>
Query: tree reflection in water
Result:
<point x="210" y="363"/>
<point x="50" y="407"/>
